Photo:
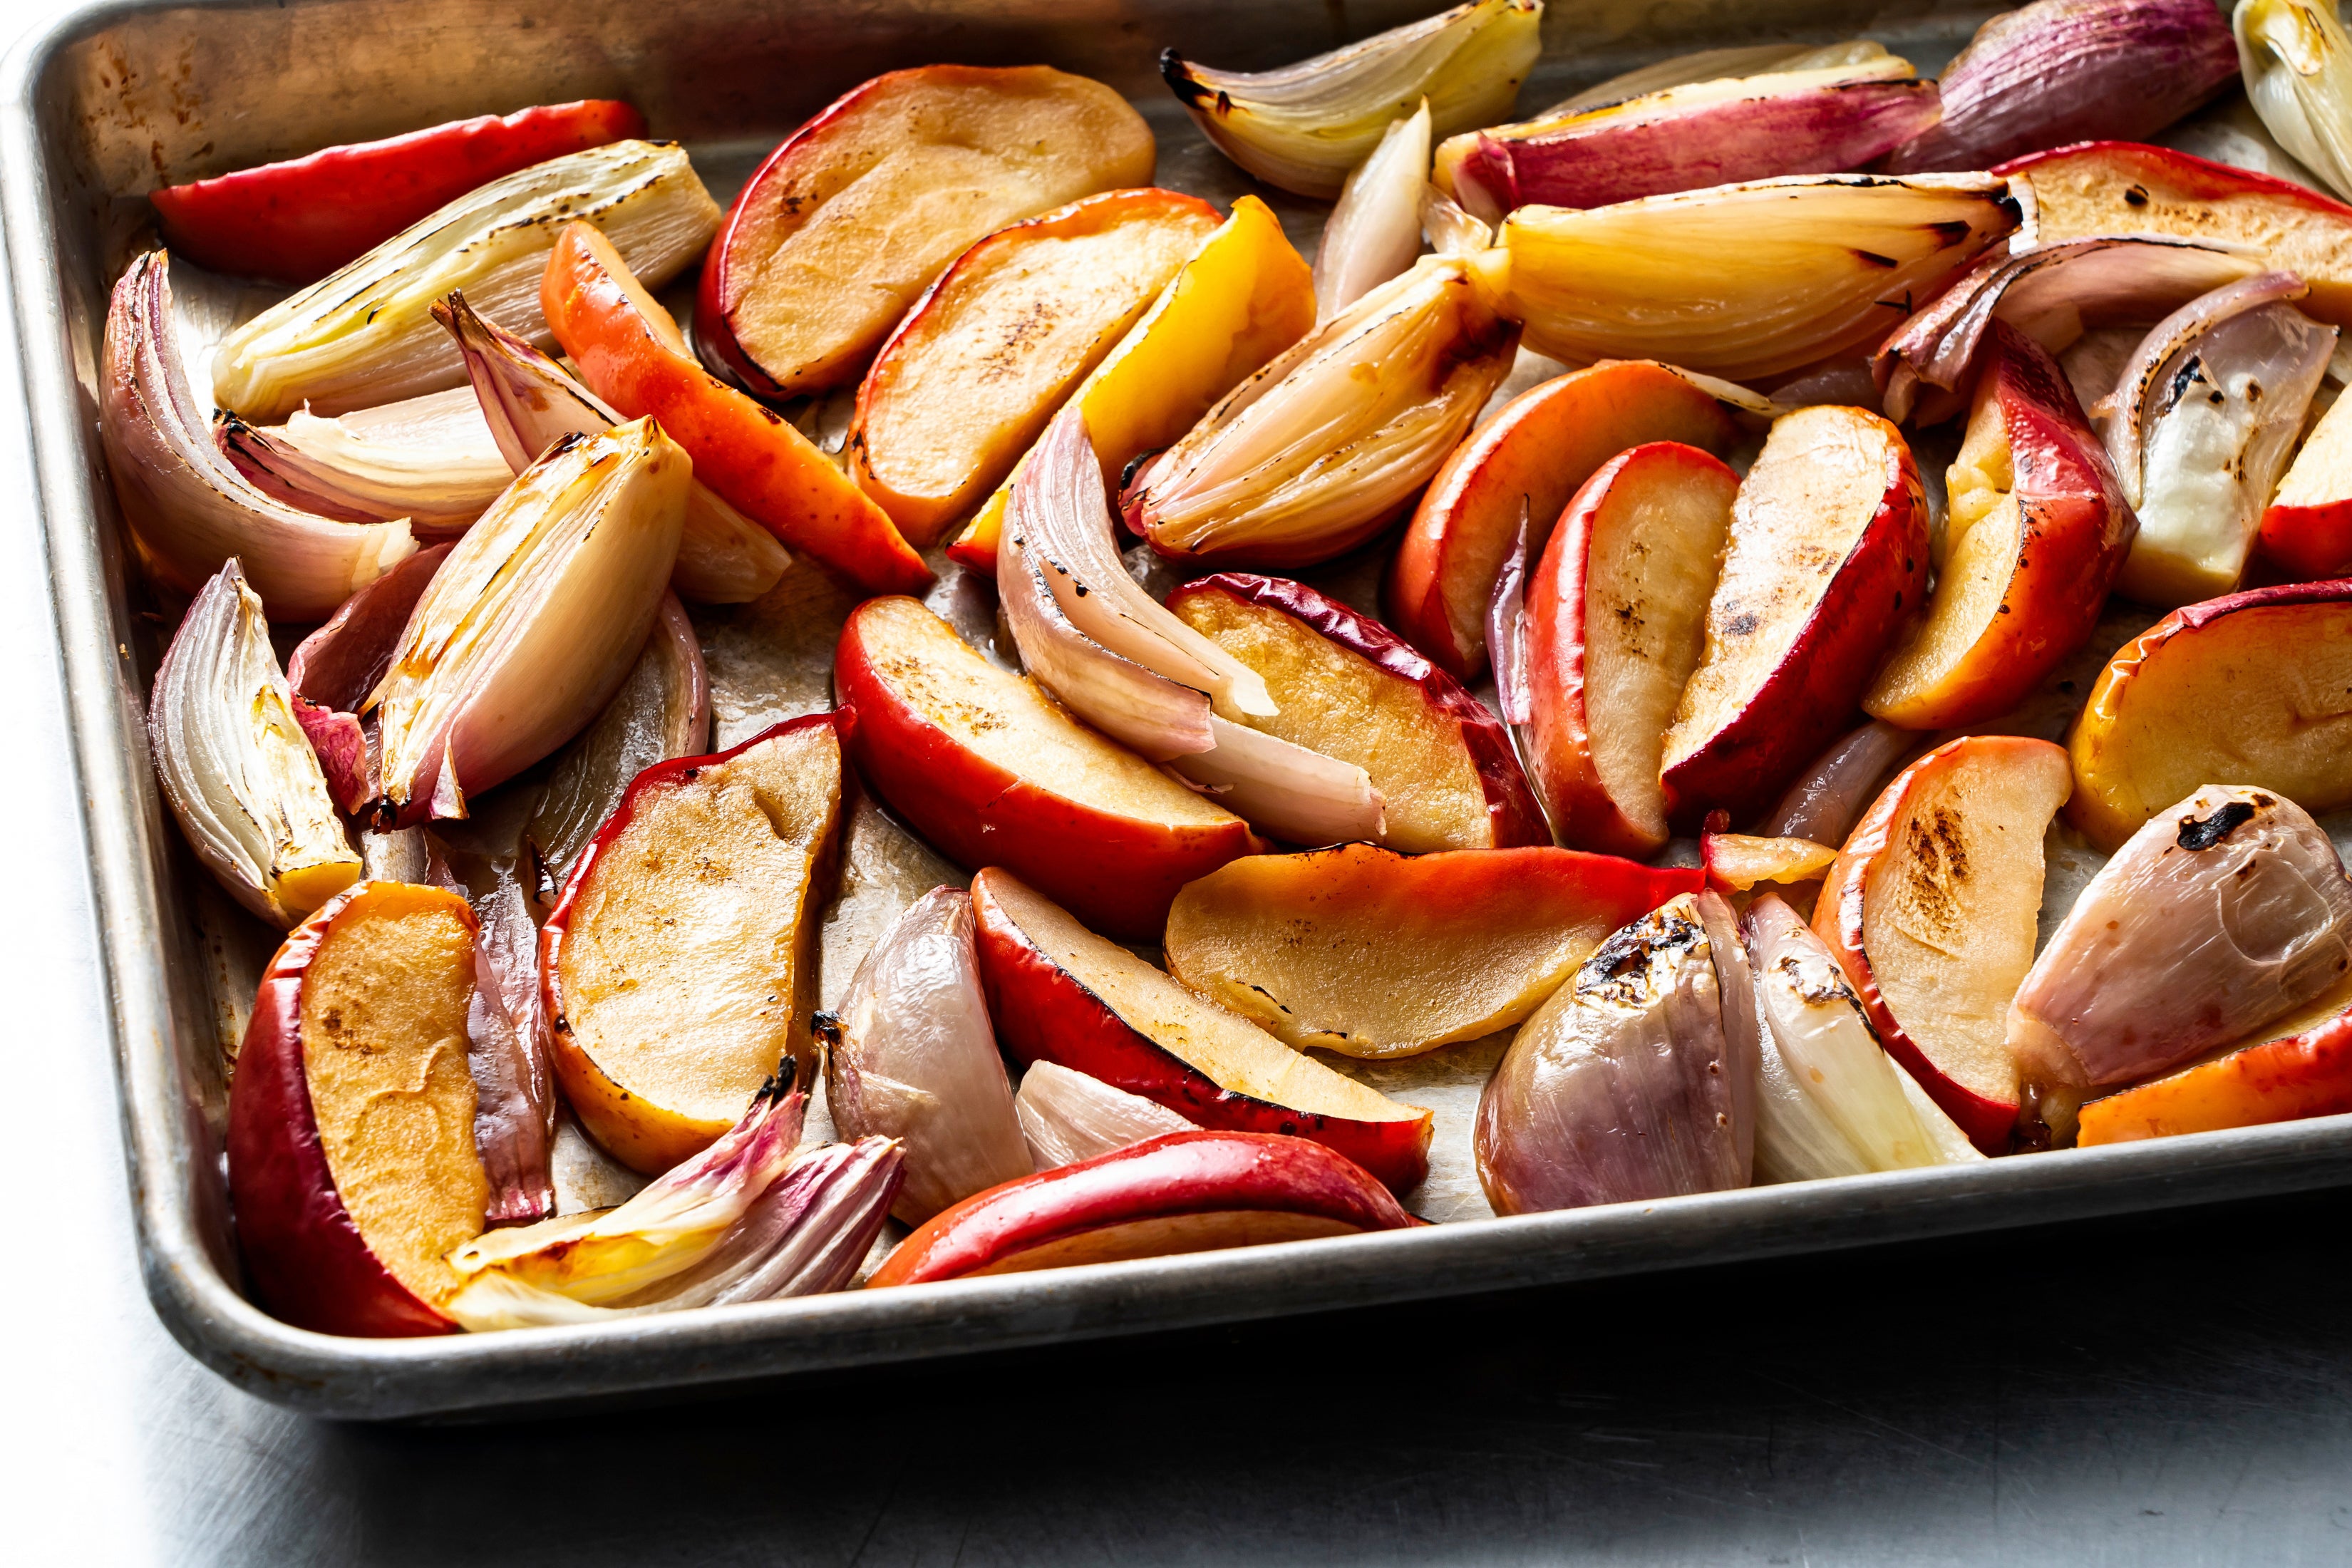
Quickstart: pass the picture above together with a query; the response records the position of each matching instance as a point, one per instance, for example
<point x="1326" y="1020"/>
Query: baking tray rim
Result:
<point x="334" y="1377"/>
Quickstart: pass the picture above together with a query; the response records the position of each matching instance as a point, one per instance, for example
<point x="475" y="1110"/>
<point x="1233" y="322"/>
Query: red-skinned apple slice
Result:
<point x="845" y="223"/>
<point x="968" y="380"/>
<point x="2097" y="188"/>
<point x="1061" y="994"/>
<point x="1537" y="453"/>
<point x="1739" y="862"/>
<point x="1371" y="953"/>
<point x="2038" y="530"/>
<point x="351" y="1125"/>
<point x="1615" y="622"/>
<point x="2299" y="1066"/>
<point x="2253" y="687"/>
<point x="2306" y="531"/>
<point x="679" y="965"/>
<point x="1931" y="912"/>
<point x="986" y="766"/>
<point x="630" y="352"/>
<point x="1185" y="1191"/>
<point x="1827" y="559"/>
<point x="1347" y="687"/>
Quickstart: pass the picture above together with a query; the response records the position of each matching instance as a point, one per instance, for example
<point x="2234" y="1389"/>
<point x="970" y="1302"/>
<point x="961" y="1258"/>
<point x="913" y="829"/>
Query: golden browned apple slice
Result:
<point x="969" y="379"/>
<point x="1349" y="688"/>
<point x="1931" y="910"/>
<point x="351" y="1126"/>
<point x="1363" y="951"/>
<point x="848" y="221"/>
<point x="680" y="965"/>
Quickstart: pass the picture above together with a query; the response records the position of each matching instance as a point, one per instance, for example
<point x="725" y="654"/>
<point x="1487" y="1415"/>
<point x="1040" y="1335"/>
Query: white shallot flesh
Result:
<point x="1068" y="1116"/>
<point x="429" y="459"/>
<point x="1374" y="230"/>
<point x="334" y="669"/>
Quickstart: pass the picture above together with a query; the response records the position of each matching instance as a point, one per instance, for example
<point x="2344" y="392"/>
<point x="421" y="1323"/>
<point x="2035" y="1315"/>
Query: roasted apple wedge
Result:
<point x="1616" y="617"/>
<point x="1185" y="1191"/>
<point x="986" y="766"/>
<point x="2224" y="912"/>
<point x="2299" y="1066"/>
<point x="967" y="382"/>
<point x="1533" y="456"/>
<point x="1244" y="297"/>
<point x="1061" y="994"/>
<point x="351" y="1122"/>
<point x="1826" y="559"/>
<point x="2125" y="187"/>
<point x="848" y="222"/>
<point x="679" y="965"/>
<point x="2306" y="529"/>
<point x="2038" y="529"/>
<point x="1931" y="910"/>
<point x="2253" y="688"/>
<point x="1371" y="953"/>
<point x="1348" y="688"/>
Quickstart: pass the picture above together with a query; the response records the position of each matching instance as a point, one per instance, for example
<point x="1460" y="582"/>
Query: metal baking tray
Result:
<point x="117" y="99"/>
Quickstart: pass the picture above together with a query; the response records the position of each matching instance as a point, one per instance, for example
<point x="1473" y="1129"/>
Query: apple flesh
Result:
<point x="1059" y="993"/>
<point x="967" y="382"/>
<point x="987" y="767"/>
<point x="1826" y="561"/>
<point x="847" y="223"/>
<point x="2299" y="1068"/>
<point x="1532" y="457"/>
<point x="2037" y="530"/>
<point x="2253" y="687"/>
<point x="1183" y="1192"/>
<point x="1369" y="953"/>
<point x="1931" y="910"/>
<point x="1615" y="623"/>
<point x="680" y="965"/>
<point x="2306" y="530"/>
<point x="1347" y="687"/>
<point x="351" y="1162"/>
<point x="2125" y="187"/>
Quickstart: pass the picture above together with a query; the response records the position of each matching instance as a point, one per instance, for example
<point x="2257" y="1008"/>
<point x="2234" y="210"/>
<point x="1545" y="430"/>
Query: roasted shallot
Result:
<point x="1374" y="230"/>
<point x="2298" y="61"/>
<point x="336" y="669"/>
<point x="429" y="459"/>
<point x="1068" y="1116"/>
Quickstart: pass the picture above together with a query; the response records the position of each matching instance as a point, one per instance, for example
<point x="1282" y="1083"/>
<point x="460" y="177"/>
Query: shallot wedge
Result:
<point x="506" y="1033"/>
<point x="911" y="1055"/>
<point x="745" y="1220"/>
<point x="2049" y="294"/>
<point x="2074" y="70"/>
<point x="429" y="459"/>
<point x="2201" y="425"/>
<point x="1829" y="797"/>
<point x="189" y="509"/>
<point x="234" y="764"/>
<point x="1302" y="126"/>
<point x="1068" y="1116"/>
<point x="532" y="622"/>
<point x="1626" y="1085"/>
<point x="2215" y="917"/>
<point x="1708" y="132"/>
<point x="2298" y="61"/>
<point x="1374" y="230"/>
<point x="1317" y="451"/>
<point x="530" y="403"/>
<point x="335" y="667"/>
<point x="662" y="710"/>
<point x="1818" y="1044"/>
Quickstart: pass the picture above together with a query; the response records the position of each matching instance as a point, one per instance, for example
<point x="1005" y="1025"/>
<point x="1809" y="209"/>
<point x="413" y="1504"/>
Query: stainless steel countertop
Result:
<point x="2170" y="1389"/>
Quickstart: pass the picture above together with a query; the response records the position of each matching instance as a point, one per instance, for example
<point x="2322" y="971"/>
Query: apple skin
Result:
<point x="2075" y="529"/>
<point x="2112" y="799"/>
<point x="1838" y="921"/>
<point x="1511" y="810"/>
<point x="744" y="452"/>
<point x="1811" y="696"/>
<point x="1559" y="733"/>
<point x="1175" y="1174"/>
<point x="2129" y="188"/>
<point x="1044" y="1013"/>
<point x="593" y="1095"/>
<point x="1539" y="449"/>
<point x="1115" y="873"/>
<point x="2302" y="1075"/>
<point x="308" y="1263"/>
